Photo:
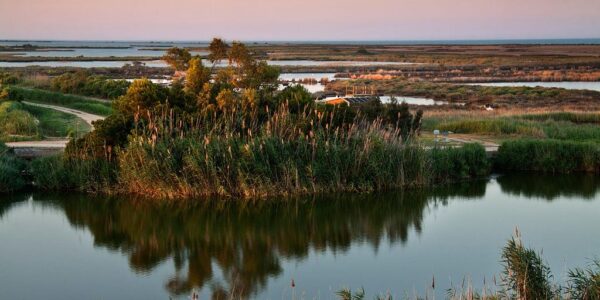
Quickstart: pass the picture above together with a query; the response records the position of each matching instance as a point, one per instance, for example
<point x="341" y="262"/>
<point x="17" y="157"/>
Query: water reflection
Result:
<point x="247" y="242"/>
<point x="228" y="249"/>
<point x="550" y="186"/>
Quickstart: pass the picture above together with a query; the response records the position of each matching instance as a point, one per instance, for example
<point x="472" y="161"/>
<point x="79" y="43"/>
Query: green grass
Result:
<point x="56" y="98"/>
<point x="579" y="118"/>
<point x="53" y="123"/>
<point x="567" y="126"/>
<point x="16" y="123"/>
<point x="22" y="122"/>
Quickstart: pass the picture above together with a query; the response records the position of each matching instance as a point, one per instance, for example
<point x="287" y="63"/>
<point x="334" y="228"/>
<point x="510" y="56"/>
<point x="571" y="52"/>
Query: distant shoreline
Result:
<point x="473" y="42"/>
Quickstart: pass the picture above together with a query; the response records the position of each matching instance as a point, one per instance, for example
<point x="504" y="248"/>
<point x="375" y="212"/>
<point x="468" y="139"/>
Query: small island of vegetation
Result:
<point x="235" y="134"/>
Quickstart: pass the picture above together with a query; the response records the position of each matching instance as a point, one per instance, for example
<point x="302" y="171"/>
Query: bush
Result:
<point x="82" y="83"/>
<point x="548" y="156"/>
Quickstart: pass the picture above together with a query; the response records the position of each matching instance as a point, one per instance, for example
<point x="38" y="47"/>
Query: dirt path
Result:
<point x="41" y="148"/>
<point x="490" y="147"/>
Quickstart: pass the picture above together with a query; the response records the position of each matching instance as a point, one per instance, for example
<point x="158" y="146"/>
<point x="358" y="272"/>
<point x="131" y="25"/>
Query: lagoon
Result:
<point x="69" y="246"/>
<point x="158" y="63"/>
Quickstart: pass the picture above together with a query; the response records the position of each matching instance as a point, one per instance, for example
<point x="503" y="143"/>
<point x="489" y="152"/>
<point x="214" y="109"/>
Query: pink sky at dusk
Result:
<point x="298" y="19"/>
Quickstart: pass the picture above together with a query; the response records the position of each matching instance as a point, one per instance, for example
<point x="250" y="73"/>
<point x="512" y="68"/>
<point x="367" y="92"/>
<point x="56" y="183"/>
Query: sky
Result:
<point x="270" y="20"/>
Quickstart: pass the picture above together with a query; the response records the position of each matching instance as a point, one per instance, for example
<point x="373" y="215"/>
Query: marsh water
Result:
<point x="69" y="246"/>
<point x="570" y="85"/>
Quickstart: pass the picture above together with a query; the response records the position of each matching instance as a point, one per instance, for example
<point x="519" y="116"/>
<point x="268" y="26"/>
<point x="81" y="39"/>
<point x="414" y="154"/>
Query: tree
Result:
<point x="141" y="96"/>
<point x="218" y="50"/>
<point x="177" y="58"/>
<point x="240" y="55"/>
<point x="196" y="76"/>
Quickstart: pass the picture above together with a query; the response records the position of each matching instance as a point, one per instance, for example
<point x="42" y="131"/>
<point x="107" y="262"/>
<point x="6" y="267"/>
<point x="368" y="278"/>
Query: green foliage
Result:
<point x="9" y="78"/>
<point x="141" y="96"/>
<point x="578" y="118"/>
<point x="64" y="173"/>
<point x="548" y="156"/>
<point x="196" y="76"/>
<point x="15" y="121"/>
<point x="82" y="83"/>
<point x="55" y="123"/>
<point x="526" y="275"/>
<point x="494" y="126"/>
<point x="297" y="97"/>
<point x="109" y="133"/>
<point x="584" y="284"/>
<point x="468" y="161"/>
<point x="11" y="168"/>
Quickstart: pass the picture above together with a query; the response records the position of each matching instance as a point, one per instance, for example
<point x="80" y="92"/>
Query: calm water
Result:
<point x="158" y="63"/>
<point x="571" y="85"/>
<point x="80" y="247"/>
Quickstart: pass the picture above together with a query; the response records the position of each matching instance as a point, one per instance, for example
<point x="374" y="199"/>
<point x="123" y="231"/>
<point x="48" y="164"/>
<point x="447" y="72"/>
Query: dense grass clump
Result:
<point x="11" y="168"/>
<point x="15" y="122"/>
<point x="526" y="274"/>
<point x="548" y="156"/>
<point x="468" y="161"/>
<point x="57" y="98"/>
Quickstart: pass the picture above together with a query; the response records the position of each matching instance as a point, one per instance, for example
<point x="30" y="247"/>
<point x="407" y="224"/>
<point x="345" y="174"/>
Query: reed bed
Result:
<point x="549" y="156"/>
<point x="287" y="154"/>
<point x="175" y="156"/>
